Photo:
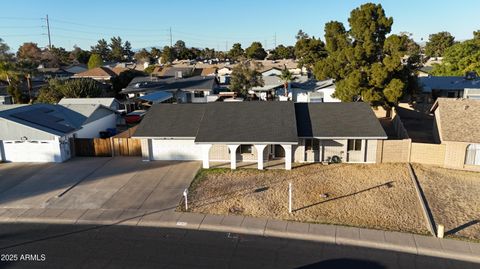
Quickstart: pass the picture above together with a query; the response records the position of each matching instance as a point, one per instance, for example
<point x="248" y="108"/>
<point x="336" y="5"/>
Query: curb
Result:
<point x="330" y="234"/>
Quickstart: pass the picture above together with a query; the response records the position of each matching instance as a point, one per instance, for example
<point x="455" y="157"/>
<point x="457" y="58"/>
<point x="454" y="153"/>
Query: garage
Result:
<point x="176" y="149"/>
<point x="31" y="151"/>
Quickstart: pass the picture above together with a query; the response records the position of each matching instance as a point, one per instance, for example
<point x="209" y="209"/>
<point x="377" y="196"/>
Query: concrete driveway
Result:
<point x="96" y="183"/>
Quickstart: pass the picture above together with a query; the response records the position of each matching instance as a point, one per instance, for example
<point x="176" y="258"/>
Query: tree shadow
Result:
<point x="388" y="184"/>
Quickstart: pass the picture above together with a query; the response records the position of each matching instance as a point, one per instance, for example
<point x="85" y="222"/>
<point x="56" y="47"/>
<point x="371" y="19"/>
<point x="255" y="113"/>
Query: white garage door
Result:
<point x="29" y="151"/>
<point x="176" y="150"/>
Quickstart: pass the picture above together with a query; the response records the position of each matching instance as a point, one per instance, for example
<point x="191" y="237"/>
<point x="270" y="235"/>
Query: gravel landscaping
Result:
<point x="379" y="196"/>
<point x="453" y="197"/>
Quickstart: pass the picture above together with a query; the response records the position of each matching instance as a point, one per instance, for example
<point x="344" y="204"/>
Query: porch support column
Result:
<point x="233" y="156"/>
<point x="206" y="155"/>
<point x="288" y="156"/>
<point x="260" y="149"/>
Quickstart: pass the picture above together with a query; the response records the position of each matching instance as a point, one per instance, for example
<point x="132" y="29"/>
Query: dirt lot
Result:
<point x="378" y="196"/>
<point x="454" y="198"/>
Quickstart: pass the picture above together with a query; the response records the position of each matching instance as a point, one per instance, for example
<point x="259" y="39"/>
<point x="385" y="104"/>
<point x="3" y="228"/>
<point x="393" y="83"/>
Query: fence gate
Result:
<point x="107" y="147"/>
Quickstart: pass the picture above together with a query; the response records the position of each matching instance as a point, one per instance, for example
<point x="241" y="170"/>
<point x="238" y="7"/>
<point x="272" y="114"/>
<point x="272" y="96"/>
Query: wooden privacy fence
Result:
<point x="107" y="147"/>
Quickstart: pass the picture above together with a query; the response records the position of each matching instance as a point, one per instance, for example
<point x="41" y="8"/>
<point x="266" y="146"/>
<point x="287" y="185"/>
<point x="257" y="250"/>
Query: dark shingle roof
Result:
<point x="337" y="120"/>
<point x="248" y="122"/>
<point x="148" y="84"/>
<point x="447" y="83"/>
<point x="171" y="120"/>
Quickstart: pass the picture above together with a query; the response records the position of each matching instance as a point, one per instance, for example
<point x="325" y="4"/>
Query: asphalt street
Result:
<point x="24" y="245"/>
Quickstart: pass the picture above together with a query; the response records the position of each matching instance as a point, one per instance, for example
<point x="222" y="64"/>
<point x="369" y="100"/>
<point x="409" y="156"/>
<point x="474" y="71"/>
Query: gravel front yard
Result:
<point x="379" y="196"/>
<point x="454" y="198"/>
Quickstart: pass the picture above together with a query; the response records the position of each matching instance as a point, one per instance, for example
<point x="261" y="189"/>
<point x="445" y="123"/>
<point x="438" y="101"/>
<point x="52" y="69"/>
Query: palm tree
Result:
<point x="286" y="77"/>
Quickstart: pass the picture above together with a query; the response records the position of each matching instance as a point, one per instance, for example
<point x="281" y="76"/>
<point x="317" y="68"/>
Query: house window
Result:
<point x="311" y="144"/>
<point x="473" y="154"/>
<point x="354" y="145"/>
<point x="198" y="94"/>
<point x="245" y="149"/>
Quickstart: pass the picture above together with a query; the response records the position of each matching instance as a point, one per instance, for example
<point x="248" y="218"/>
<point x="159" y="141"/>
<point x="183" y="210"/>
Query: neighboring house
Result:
<point x="195" y="89"/>
<point x="271" y="71"/>
<point x="456" y="125"/>
<point x="99" y="73"/>
<point x="322" y="132"/>
<point x="42" y="132"/>
<point x="109" y="102"/>
<point x="447" y="86"/>
<point x="304" y="90"/>
<point x="53" y="72"/>
<point x="76" y="68"/>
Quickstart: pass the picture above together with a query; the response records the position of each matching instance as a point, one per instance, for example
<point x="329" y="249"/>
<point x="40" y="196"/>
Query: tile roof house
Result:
<point x="41" y="132"/>
<point x="456" y="126"/>
<point x="259" y="131"/>
<point x="98" y="73"/>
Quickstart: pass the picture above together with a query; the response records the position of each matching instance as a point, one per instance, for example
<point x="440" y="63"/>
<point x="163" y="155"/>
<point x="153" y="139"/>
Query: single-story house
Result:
<point x="456" y="125"/>
<point x="99" y="73"/>
<point x="109" y="102"/>
<point x="448" y="86"/>
<point x="257" y="131"/>
<point x="42" y="132"/>
<point x="185" y="90"/>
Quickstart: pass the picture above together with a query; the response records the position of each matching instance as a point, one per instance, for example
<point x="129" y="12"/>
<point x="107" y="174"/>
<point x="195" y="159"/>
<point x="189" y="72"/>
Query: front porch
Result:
<point x="260" y="156"/>
<point x="268" y="165"/>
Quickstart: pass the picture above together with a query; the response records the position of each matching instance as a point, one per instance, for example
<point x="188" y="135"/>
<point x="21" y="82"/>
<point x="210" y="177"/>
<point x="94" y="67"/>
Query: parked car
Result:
<point x="135" y="116"/>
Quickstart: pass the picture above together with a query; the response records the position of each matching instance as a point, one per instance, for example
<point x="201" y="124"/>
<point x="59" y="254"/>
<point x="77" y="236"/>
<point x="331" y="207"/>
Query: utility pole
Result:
<point x="275" y="41"/>
<point x="171" y="39"/>
<point x="48" y="30"/>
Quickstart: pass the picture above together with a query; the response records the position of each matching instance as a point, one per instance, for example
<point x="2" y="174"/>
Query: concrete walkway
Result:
<point x="340" y="235"/>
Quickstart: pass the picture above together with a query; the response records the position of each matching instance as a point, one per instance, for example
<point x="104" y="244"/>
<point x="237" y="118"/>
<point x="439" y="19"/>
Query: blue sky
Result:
<point x="216" y="23"/>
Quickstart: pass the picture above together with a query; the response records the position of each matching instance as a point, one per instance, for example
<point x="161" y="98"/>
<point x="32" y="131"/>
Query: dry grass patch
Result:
<point x="378" y="196"/>
<point x="454" y="198"/>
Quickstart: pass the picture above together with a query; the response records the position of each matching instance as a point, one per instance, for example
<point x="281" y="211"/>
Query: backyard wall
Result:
<point x="427" y="153"/>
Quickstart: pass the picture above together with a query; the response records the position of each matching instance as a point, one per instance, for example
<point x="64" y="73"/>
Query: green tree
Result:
<point x="5" y="54"/>
<point x="116" y="49"/>
<point x="79" y="55"/>
<point x="127" y="51"/>
<point x="282" y="52"/>
<point x="476" y="34"/>
<point x="459" y="59"/>
<point x="143" y="56"/>
<point x="244" y="77"/>
<point x="308" y="50"/>
<point x="438" y="43"/>
<point x="301" y="35"/>
<point x="365" y="64"/>
<point x="168" y="55"/>
<point x="255" y="51"/>
<point x="286" y="76"/>
<point x="208" y="53"/>
<point x="62" y="56"/>
<point x="95" y="61"/>
<point x="236" y="52"/>
<point x="74" y="88"/>
<point x="155" y="53"/>
<point x="102" y="49"/>
<point x="122" y="80"/>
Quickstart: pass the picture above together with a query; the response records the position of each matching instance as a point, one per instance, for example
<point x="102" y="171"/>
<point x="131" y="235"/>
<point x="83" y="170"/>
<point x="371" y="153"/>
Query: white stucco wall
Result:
<point x="174" y="149"/>
<point x="93" y="129"/>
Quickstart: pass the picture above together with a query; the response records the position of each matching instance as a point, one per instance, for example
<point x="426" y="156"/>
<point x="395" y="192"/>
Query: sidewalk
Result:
<point x="340" y="235"/>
